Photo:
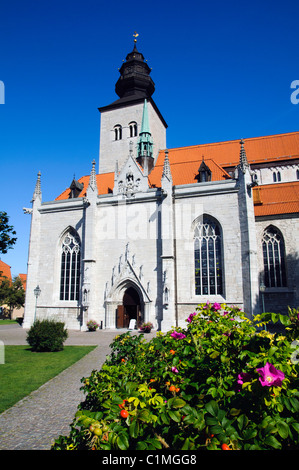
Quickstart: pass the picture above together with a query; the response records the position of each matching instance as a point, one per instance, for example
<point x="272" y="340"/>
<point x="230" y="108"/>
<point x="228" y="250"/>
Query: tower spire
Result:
<point x="145" y="143"/>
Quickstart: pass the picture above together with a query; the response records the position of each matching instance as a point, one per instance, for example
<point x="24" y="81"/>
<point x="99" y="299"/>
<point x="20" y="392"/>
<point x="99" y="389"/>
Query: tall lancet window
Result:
<point x="274" y="258"/>
<point x="208" y="257"/>
<point x="70" y="267"/>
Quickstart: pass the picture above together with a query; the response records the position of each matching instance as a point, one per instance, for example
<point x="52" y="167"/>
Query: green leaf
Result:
<point x="141" y="445"/>
<point x="144" y="415"/>
<point x="235" y="412"/>
<point x="249" y="434"/>
<point x="186" y="444"/>
<point x="272" y="442"/>
<point x="242" y="421"/>
<point x="295" y="404"/>
<point x="165" y="418"/>
<point x="211" y="421"/>
<point x="216" y="429"/>
<point x="296" y="427"/>
<point x="176" y="360"/>
<point x="122" y="442"/>
<point x="134" y="429"/>
<point x="214" y="354"/>
<point x="283" y="429"/>
<point x="224" y="359"/>
<point x="212" y="408"/>
<point x="272" y="350"/>
<point x="175" y="415"/>
<point x="178" y="403"/>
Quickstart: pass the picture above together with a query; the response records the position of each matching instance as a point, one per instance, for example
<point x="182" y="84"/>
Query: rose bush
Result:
<point x="218" y="383"/>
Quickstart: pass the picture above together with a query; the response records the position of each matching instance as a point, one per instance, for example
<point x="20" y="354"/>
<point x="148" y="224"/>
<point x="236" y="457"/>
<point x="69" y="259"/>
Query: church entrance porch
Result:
<point x="130" y="309"/>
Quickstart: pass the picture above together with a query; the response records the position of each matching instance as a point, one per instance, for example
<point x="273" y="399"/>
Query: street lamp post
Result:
<point x="37" y="292"/>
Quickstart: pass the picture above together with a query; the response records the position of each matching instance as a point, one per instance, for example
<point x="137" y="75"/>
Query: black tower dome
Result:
<point x="134" y="77"/>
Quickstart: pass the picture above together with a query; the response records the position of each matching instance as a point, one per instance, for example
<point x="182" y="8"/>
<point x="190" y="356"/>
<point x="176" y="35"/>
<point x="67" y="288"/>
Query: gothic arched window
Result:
<point x="70" y="267"/>
<point x="276" y="176"/>
<point x="208" y="257"/>
<point x="274" y="258"/>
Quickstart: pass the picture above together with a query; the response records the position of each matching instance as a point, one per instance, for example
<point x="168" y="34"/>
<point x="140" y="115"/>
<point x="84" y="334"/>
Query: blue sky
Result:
<point x="222" y="71"/>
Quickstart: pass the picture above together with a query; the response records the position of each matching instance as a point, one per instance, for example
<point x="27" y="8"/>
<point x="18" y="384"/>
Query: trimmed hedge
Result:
<point x="47" y="336"/>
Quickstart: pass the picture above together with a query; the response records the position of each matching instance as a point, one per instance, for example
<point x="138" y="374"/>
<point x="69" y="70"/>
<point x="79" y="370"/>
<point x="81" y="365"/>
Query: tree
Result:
<point x="12" y="293"/>
<point x="7" y="232"/>
<point x="16" y="297"/>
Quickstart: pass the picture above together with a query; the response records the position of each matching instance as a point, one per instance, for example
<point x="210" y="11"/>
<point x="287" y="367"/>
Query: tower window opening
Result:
<point x="133" y="129"/>
<point x="118" y="132"/>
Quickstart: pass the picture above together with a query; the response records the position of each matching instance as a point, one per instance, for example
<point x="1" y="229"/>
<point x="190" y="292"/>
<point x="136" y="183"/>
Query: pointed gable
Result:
<point x="130" y="179"/>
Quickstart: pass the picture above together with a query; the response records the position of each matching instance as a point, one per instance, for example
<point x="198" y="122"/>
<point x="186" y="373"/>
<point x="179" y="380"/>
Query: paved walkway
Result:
<point x="35" y="421"/>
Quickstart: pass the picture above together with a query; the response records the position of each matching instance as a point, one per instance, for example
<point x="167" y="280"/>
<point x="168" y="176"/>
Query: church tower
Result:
<point x="134" y="113"/>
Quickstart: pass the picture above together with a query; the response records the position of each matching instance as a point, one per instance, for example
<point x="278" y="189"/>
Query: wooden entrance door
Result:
<point x="121" y="317"/>
<point x="129" y="310"/>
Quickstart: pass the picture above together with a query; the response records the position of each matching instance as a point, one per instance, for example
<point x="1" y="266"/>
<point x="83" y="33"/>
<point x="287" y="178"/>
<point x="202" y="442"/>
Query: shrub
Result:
<point x="219" y="383"/>
<point x="46" y="335"/>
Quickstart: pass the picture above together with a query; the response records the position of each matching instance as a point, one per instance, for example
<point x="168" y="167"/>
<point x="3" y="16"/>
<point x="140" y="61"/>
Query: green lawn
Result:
<point x="25" y="371"/>
<point x="8" y="322"/>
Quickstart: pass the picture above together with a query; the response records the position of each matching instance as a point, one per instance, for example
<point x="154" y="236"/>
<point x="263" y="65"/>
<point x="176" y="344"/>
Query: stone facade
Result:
<point x="134" y="252"/>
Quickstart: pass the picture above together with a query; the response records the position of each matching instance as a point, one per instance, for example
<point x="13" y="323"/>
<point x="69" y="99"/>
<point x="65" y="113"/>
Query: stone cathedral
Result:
<point x="156" y="231"/>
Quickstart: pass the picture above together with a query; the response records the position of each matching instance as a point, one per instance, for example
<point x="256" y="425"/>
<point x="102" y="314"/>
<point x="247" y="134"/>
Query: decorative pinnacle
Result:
<point x="37" y="190"/>
<point x="166" y="167"/>
<point x="243" y="158"/>
<point x="135" y="35"/>
<point x="92" y="180"/>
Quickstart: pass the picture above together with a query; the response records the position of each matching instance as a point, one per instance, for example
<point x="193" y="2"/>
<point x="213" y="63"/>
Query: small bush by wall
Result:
<point x="47" y="335"/>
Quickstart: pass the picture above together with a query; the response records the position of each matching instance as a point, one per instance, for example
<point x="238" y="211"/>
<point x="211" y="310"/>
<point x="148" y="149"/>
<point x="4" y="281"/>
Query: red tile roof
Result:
<point x="184" y="162"/>
<point x="23" y="278"/>
<point x="274" y="199"/>
<point x="4" y="270"/>
<point x="105" y="184"/>
<point x="227" y="154"/>
<point x="184" y="172"/>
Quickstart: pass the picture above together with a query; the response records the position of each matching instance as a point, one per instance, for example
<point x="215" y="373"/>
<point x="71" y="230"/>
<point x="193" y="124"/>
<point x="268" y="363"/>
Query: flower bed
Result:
<point x="219" y="383"/>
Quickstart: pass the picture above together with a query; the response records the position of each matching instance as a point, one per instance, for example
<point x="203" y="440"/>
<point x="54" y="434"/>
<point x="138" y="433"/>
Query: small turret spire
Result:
<point x="166" y="167"/>
<point x="243" y="158"/>
<point x="92" y="180"/>
<point x="37" y="190"/>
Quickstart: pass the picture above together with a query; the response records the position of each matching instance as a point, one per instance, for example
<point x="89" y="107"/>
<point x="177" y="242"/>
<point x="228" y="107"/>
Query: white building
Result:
<point x="157" y="231"/>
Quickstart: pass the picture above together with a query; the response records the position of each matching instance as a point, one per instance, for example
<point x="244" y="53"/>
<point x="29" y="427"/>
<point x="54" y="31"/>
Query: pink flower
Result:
<point x="174" y="369"/>
<point x="216" y="306"/>
<point x="243" y="377"/>
<point x="270" y="376"/>
<point x="190" y="318"/>
<point x="178" y="335"/>
<point x="207" y="305"/>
